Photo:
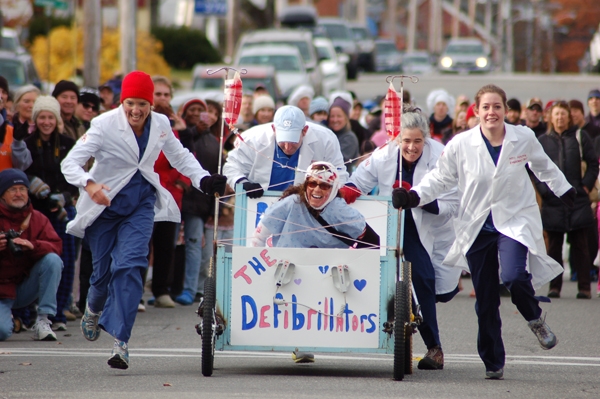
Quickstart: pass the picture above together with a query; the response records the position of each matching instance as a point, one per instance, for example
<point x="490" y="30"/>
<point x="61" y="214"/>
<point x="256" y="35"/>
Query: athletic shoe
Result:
<point x="553" y="293"/>
<point x="164" y="301"/>
<point x="584" y="295"/>
<point x="42" y="331"/>
<point x="495" y="375"/>
<point x="433" y="360"/>
<point x="119" y="359"/>
<point x="69" y="316"/>
<point x="89" y="324"/>
<point x="541" y="330"/>
<point x="75" y="310"/>
<point x="59" y="326"/>
<point x="302" y="357"/>
<point x="151" y="301"/>
<point x="141" y="307"/>
<point x="185" y="298"/>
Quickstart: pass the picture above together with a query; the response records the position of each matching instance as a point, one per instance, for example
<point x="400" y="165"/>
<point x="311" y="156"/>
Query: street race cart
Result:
<point x="309" y="299"/>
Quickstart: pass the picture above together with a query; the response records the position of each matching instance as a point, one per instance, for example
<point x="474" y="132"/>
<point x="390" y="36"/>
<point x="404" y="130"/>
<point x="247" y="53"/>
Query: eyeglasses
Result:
<point x="322" y="186"/>
<point x="17" y="189"/>
<point x="88" y="106"/>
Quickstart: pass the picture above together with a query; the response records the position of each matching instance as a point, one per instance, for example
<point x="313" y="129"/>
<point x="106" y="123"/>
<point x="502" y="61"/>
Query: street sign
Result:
<point x="211" y="7"/>
<point x="58" y="4"/>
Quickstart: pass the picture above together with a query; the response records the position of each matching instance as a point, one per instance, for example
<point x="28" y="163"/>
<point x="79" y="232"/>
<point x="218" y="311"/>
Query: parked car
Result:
<point x="417" y="62"/>
<point x="255" y="74"/>
<point x="387" y="56"/>
<point x="10" y="41"/>
<point x="180" y="97"/>
<point x="333" y="66"/>
<point x="286" y="60"/>
<point x="338" y="30"/>
<point x="301" y="39"/>
<point x="18" y="69"/>
<point x="366" y="47"/>
<point x="464" y="55"/>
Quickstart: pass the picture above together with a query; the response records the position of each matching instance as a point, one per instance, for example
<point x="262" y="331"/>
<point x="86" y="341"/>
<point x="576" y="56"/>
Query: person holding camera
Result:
<point x="30" y="264"/>
<point x="50" y="192"/>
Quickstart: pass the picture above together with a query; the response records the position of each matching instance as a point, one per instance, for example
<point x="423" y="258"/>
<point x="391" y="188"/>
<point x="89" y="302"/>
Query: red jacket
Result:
<point x="169" y="176"/>
<point x="40" y="233"/>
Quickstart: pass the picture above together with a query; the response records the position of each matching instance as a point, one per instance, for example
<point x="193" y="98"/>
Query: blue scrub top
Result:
<point x="138" y="190"/>
<point x="283" y="177"/>
<point x="489" y="226"/>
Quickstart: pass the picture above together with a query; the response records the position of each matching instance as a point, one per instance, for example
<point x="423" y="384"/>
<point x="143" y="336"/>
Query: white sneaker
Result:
<point x="42" y="331"/>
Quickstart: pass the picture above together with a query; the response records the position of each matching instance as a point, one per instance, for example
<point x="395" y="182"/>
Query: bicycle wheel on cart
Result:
<point x="402" y="329"/>
<point x="209" y="325"/>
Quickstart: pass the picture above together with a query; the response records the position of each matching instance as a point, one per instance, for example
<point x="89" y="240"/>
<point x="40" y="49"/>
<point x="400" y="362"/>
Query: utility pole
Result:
<point x="231" y="23"/>
<point x="472" y="11"/>
<point x="412" y="25"/>
<point x="127" y="28"/>
<point x="510" y="52"/>
<point x="92" y="36"/>
<point x="455" y="20"/>
<point x="391" y="10"/>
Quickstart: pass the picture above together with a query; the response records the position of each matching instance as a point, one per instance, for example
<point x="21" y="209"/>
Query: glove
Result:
<point x="350" y="193"/>
<point x="253" y="190"/>
<point x="21" y="131"/>
<point x="569" y="197"/>
<point x="213" y="184"/>
<point x="38" y="188"/>
<point x="405" y="199"/>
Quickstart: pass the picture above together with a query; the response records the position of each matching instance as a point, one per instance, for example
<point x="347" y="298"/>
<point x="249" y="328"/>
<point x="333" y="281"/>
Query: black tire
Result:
<point x="208" y="327"/>
<point x="400" y="309"/>
<point x="407" y="279"/>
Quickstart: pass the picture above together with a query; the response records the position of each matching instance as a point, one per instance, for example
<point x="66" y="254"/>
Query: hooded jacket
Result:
<point x="14" y="269"/>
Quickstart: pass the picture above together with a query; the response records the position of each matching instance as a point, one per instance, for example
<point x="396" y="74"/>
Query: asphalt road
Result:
<point x="166" y="362"/>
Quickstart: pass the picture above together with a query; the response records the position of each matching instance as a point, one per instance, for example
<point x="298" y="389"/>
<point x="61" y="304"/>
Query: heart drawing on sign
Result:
<point x="297" y="281"/>
<point x="324" y="269"/>
<point x="360" y="284"/>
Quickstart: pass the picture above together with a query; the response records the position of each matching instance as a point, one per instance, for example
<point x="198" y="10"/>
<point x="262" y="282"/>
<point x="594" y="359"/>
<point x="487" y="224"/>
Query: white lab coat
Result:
<point x="436" y="232"/>
<point x="111" y="141"/>
<point x="253" y="158"/>
<point x="505" y="189"/>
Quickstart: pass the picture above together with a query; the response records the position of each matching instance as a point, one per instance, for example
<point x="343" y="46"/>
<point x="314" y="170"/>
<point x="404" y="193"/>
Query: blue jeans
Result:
<point x="193" y="230"/>
<point x="207" y="252"/>
<point x="41" y="283"/>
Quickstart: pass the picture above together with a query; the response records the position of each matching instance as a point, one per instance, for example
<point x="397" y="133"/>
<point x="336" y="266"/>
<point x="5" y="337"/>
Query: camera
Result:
<point x="15" y="249"/>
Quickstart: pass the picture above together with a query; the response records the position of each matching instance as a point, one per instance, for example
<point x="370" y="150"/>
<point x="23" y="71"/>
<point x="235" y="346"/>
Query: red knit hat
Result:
<point x="470" y="112"/>
<point x="138" y="84"/>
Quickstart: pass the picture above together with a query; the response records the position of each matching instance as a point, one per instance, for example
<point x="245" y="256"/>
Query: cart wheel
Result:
<point x="408" y="337"/>
<point x="401" y="310"/>
<point x="209" y="325"/>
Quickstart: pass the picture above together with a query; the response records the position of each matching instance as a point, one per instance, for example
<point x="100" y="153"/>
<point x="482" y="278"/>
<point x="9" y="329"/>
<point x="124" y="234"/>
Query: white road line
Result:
<point x="575" y="361"/>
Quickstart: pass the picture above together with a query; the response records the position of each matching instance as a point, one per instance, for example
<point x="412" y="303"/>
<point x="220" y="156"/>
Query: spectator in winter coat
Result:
<point x="567" y="151"/>
<point x="34" y="272"/>
<point x="440" y="122"/>
<point x="67" y="94"/>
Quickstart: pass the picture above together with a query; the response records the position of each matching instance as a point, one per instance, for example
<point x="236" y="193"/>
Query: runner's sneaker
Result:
<point x="542" y="332"/>
<point x="302" y="357"/>
<point x="120" y="356"/>
<point x="42" y="331"/>
<point x="495" y="375"/>
<point x="433" y="360"/>
<point x="89" y="324"/>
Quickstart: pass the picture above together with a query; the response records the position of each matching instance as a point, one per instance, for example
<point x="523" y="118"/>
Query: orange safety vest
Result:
<point x="6" y="150"/>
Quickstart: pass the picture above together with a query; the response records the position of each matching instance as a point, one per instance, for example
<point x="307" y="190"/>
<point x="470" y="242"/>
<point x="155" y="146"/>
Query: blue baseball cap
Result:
<point x="594" y="93"/>
<point x="289" y="122"/>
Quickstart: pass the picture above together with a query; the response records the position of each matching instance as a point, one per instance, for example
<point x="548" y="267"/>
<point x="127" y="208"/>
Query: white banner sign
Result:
<point x="375" y="212"/>
<point x="308" y="309"/>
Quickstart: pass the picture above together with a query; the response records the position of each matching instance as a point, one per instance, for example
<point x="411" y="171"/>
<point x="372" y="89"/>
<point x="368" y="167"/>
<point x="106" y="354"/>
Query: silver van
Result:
<point x="302" y="39"/>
